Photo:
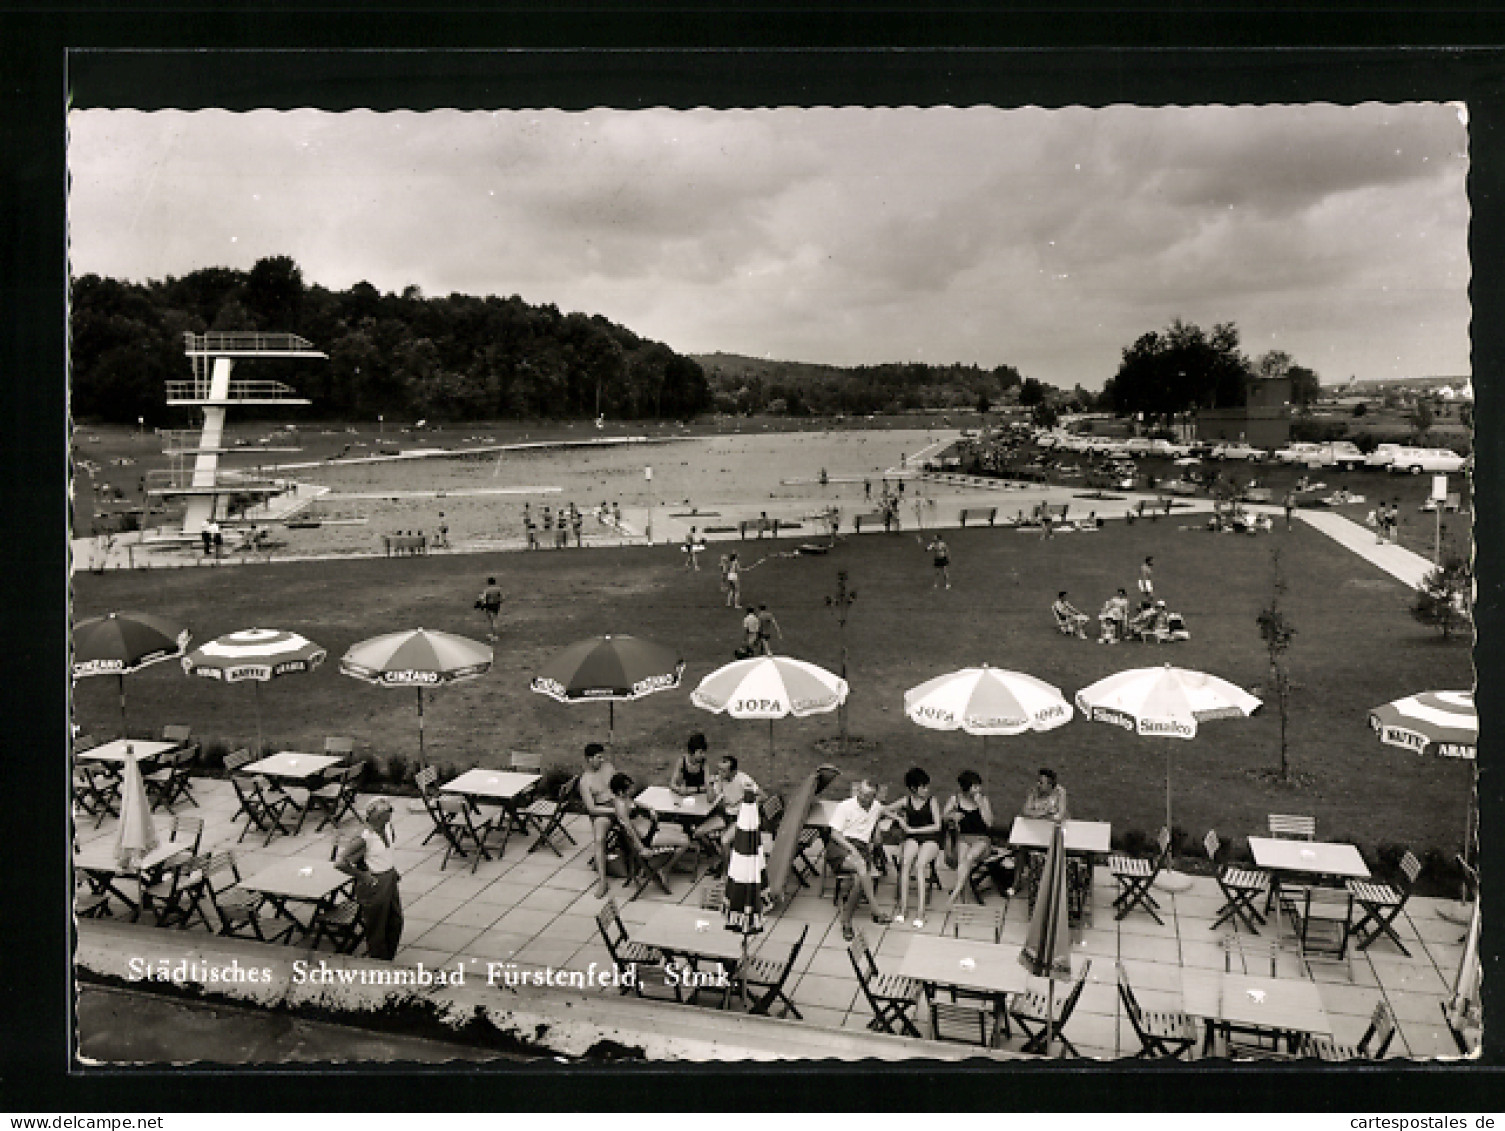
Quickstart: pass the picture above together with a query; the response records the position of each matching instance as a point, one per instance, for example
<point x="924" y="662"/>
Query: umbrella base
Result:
<point x="1172" y="881"/>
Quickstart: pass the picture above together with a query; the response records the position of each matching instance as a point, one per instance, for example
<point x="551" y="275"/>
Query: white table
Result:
<point x="291" y="765"/>
<point x="1080" y="837"/>
<point x="1308" y="857"/>
<point x="1282" y="1007"/>
<point x="980" y="968"/>
<point x="494" y="785"/>
<point x="673" y="806"/>
<point x="102" y="869"/>
<point x="298" y="880"/>
<point x="145" y="749"/>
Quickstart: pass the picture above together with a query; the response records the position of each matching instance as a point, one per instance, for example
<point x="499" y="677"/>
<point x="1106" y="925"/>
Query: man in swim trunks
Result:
<point x="599" y="804"/>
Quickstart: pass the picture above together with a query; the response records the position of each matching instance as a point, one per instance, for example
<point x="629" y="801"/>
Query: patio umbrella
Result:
<point x="137" y="834"/>
<point x="770" y="687"/>
<point x="1164" y="702"/>
<point x="255" y="654"/>
<point x="986" y="701"/>
<point x="613" y="668"/>
<point x="416" y="658"/>
<point x="747" y="893"/>
<point x="1441" y="723"/>
<point x="1047" y="946"/>
<point x="120" y="643"/>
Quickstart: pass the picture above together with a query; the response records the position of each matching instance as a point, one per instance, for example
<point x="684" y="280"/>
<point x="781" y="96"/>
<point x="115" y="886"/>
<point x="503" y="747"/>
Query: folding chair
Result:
<point x="336" y="799"/>
<point x="647" y="867"/>
<point x="1161" y="1034"/>
<point x="1031" y="1013"/>
<point x="526" y="762"/>
<point x="625" y="954"/>
<point x="1242" y="955"/>
<point x="462" y="835"/>
<point x="1291" y="827"/>
<point x="1382" y="904"/>
<point x="990" y="867"/>
<point x="713" y="898"/>
<point x="172" y="899"/>
<point x="805" y="866"/>
<point x="97" y="790"/>
<point x="767" y="977"/>
<point x="340" y="747"/>
<point x="1372" y="1045"/>
<point x="978" y="918"/>
<point x="268" y="810"/>
<point x="1240" y="886"/>
<point x="169" y="784"/>
<point x="546" y="817"/>
<point x="341" y="925"/>
<point x="771" y="810"/>
<point x="893" y="999"/>
<point x="1321" y="917"/>
<point x="1464" y="1024"/>
<point x="1135" y="876"/>
<point x="963" y="1024"/>
<point x="238" y="909"/>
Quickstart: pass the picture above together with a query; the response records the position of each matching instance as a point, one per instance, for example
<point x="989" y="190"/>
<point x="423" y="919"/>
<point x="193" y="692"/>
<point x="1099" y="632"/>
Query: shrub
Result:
<point x="397" y="769"/>
<point x="212" y="754"/>
<point x="553" y="780"/>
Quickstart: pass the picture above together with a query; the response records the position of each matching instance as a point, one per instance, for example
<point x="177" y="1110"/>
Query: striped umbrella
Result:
<point x="747" y="894"/>
<point x="1047" y="947"/>
<point x="255" y="654"/>
<point x="137" y="834"/>
<point x="611" y="668"/>
<point x="121" y="643"/>
<point x="1443" y="723"/>
<point x="416" y="658"/>
<point x="1164" y="702"/>
<point x="770" y="687"/>
<point x="985" y="701"/>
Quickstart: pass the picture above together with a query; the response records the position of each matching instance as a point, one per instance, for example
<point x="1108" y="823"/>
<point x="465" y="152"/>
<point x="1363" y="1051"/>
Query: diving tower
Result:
<point x="213" y="356"/>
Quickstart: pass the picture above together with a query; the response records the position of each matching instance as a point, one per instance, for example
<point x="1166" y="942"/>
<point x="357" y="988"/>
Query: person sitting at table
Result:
<point x="1046" y="799"/>
<point x="689" y="772"/>
<point x="724" y="795"/>
<point x="368" y="857"/>
<point x="637" y="824"/>
<point x="850" y="850"/>
<point x="919" y="815"/>
<point x="969" y="815"/>
<point x="596" y="799"/>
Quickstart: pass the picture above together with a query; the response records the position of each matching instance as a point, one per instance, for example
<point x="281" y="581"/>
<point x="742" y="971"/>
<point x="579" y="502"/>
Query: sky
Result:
<point x="1048" y="240"/>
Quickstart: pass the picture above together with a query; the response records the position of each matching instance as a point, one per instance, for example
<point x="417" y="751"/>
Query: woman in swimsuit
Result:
<point x="919" y="816"/>
<point x="971" y="816"/>
<point x="596" y="796"/>
<point x="689" y="773"/>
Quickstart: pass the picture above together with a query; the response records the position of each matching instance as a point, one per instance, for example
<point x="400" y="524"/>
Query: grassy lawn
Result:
<point x="1356" y="647"/>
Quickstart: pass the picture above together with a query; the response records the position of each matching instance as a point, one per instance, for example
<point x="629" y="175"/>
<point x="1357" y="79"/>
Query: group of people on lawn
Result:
<point x="1116" y="622"/>
<point x="917" y="823"/>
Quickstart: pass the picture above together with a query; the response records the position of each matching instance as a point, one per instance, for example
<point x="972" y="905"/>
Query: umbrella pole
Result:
<point x="1167" y="785"/>
<point x="422" y="758"/>
<point x="124" y="730"/>
<point x="1050" y="1016"/>
<point x="256" y="699"/>
<point x="611" y="722"/>
<point x="1170" y="879"/>
<point x="770" y="753"/>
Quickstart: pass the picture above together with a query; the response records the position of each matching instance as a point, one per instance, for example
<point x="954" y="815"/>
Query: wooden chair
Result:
<point x="807" y="867"/>
<point x="1241" y="888"/>
<point x="1381" y="904"/>
<point x="1243" y="955"/>
<point x="341" y="925"/>
<point x="172" y="900"/>
<point x="1464" y="1024"/>
<point x="1372" y="1045"/>
<point x="771" y="812"/>
<point x="962" y="1023"/>
<point x="1171" y="1035"/>
<point x="713" y="898"/>
<point x="238" y="909"/>
<point x="647" y="867"/>
<point x="170" y="782"/>
<point x="463" y="835"/>
<point x="341" y="747"/>
<point x="975" y="917"/>
<point x="526" y="762"/>
<point x="268" y="810"/>
<point x="1030" y="1011"/>
<point x="767" y="977"/>
<point x="625" y="954"/>
<point x="546" y="817"/>
<point x="989" y="867"/>
<point x="1291" y="827"/>
<point x="893" y="999"/>
<point x="96" y="788"/>
<point x="236" y="759"/>
<point x="336" y="798"/>
<point x="1321" y="918"/>
<point x="1135" y="876"/>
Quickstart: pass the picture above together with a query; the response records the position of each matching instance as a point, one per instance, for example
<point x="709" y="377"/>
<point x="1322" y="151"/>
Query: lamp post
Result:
<point x="841" y="603"/>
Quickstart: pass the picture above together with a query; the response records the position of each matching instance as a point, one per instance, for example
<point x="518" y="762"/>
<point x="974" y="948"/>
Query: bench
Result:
<point x="875" y="518"/>
<point x="771" y="525"/>
<point x="1055" y="512"/>
<point x="989" y="513"/>
<point x="399" y="544"/>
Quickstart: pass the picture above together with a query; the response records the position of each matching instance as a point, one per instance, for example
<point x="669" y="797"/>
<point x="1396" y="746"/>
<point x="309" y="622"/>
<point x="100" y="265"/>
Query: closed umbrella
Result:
<point x="255" y="654"/>
<point x="747" y="894"/>
<point x="1444" y="724"/>
<point x="770" y="687"/>
<point x="121" y="643"/>
<point x="1164" y="702"/>
<point x="987" y="701"/>
<point x="1047" y="947"/>
<point x="137" y="834"/>
<point x="612" y="668"/>
<point x="416" y="658"/>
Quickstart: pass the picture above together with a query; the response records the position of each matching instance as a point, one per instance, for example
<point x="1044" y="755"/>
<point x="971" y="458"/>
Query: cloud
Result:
<point x="1046" y="239"/>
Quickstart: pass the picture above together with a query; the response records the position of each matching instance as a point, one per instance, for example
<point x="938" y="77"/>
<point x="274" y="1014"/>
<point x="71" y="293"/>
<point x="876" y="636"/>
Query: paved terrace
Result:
<point x="538" y="909"/>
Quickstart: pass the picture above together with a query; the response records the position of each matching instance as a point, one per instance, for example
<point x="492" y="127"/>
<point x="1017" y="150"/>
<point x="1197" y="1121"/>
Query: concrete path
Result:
<point x="1405" y="566"/>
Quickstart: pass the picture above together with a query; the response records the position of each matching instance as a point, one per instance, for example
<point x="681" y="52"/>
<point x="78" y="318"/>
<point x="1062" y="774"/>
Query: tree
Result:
<point x="1360" y="409"/>
<point x="1031" y="393"/>
<point x="1445" y="596"/>
<point x="1181" y="369"/>
<point x="1276" y="631"/>
<point x="983" y="404"/>
<point x="1420" y="418"/>
<point x="274" y="293"/>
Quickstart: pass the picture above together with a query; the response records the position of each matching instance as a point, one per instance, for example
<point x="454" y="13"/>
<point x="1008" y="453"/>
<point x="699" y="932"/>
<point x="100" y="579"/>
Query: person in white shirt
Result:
<point x="724" y="794"/>
<point x="369" y="859"/>
<point x="850" y="850"/>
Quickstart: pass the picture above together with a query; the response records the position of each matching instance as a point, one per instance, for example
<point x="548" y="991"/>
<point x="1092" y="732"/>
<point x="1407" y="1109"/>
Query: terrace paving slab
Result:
<point x="1411" y="977"/>
<point x="1356" y="1001"/>
<point x="1150" y="949"/>
<point x="526" y="920"/>
<point x="475" y="914"/>
<point x="447" y="937"/>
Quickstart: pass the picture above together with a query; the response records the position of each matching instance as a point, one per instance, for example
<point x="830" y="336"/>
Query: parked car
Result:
<point x="1298" y="453"/>
<point x="1138" y="446"/>
<point x="1238" y="450"/>
<point x="1416" y="460"/>
<point x="1383" y="455"/>
<point x="1337" y="453"/>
